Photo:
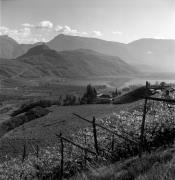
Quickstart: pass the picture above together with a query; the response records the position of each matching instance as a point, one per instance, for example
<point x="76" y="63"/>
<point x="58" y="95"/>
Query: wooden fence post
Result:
<point x="85" y="138"/>
<point x="62" y="157"/>
<point x="37" y="151"/>
<point x="95" y="136"/>
<point x="85" y="152"/>
<point x="24" y="153"/>
<point x="85" y="158"/>
<point x="112" y="144"/>
<point x="143" y="122"/>
<point x="112" y="132"/>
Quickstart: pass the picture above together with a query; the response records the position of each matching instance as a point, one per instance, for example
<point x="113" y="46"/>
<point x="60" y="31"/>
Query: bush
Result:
<point x="42" y="103"/>
<point x="70" y="100"/>
<point x="17" y="121"/>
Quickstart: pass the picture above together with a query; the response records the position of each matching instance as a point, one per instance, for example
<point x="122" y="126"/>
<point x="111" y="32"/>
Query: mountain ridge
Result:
<point x="142" y="53"/>
<point x="41" y="62"/>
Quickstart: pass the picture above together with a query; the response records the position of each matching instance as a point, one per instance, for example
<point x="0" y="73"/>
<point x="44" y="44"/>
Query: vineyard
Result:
<point x="106" y="140"/>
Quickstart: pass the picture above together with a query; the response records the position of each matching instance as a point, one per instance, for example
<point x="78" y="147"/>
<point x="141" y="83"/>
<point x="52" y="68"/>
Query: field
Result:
<point x="124" y="119"/>
<point x="35" y="143"/>
<point x="13" y="95"/>
<point x="60" y="119"/>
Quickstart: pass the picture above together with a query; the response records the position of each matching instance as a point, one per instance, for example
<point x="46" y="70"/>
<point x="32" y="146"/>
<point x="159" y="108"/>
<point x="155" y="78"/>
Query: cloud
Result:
<point x="58" y="28"/>
<point x="96" y="33"/>
<point x="28" y="25"/>
<point x="45" y="24"/>
<point x="30" y="33"/>
<point x="43" y="31"/>
<point x="42" y="24"/>
<point x="25" y="32"/>
<point x="84" y="33"/>
<point x="159" y="37"/>
<point x="19" y="35"/>
<point x="3" y="30"/>
<point x="67" y="30"/>
<point x="117" y="33"/>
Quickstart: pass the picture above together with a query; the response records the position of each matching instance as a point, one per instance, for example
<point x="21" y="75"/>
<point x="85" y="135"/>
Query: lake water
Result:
<point x="143" y="81"/>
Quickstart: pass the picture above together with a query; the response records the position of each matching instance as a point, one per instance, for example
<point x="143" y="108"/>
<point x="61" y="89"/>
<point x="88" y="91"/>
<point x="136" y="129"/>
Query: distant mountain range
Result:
<point x="145" y="54"/>
<point x="10" y="49"/>
<point x="41" y="61"/>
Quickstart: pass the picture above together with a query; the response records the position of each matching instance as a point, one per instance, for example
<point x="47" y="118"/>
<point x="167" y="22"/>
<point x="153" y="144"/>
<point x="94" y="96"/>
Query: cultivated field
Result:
<point x="35" y="143"/>
<point x="122" y="119"/>
<point x="60" y="119"/>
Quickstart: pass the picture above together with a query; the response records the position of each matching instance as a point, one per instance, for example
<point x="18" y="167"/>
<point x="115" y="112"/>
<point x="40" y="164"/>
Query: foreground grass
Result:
<point x="156" y="166"/>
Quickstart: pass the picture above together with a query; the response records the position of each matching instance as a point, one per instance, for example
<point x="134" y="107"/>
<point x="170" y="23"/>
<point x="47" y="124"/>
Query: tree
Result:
<point x="60" y="100"/>
<point x="162" y="84"/>
<point x="90" y="94"/>
<point x="115" y="93"/>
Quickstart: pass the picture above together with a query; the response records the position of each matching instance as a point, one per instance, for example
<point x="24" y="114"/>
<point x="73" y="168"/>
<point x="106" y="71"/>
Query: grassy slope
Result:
<point x="156" y="166"/>
<point x="133" y="95"/>
<point x="60" y="119"/>
<point x="159" y="165"/>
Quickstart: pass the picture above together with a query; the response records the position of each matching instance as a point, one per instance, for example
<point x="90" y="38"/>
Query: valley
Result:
<point x="43" y="84"/>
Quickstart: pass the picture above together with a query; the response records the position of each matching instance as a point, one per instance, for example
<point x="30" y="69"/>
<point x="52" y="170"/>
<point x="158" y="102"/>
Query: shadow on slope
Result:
<point x="132" y="96"/>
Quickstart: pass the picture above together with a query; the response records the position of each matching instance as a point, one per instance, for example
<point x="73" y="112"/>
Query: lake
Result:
<point x="143" y="81"/>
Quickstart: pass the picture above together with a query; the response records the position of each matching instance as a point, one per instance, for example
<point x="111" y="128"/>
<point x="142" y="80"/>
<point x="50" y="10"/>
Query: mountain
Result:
<point x="65" y="42"/>
<point x="146" y="54"/>
<point x="158" y="53"/>
<point x="149" y="55"/>
<point x="75" y="63"/>
<point x="41" y="61"/>
<point x="7" y="47"/>
<point x="10" y="49"/>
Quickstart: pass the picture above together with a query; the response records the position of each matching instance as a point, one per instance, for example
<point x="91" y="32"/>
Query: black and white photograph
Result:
<point x="87" y="89"/>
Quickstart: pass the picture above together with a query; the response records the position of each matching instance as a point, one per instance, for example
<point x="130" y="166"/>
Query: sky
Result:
<point x="29" y="21"/>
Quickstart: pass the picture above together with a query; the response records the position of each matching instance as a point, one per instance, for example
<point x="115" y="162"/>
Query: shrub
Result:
<point x="17" y="121"/>
<point x="41" y="103"/>
<point x="70" y="100"/>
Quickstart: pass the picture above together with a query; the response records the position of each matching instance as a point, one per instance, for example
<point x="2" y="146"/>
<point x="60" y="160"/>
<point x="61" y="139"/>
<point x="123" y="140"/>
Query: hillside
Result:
<point x="120" y="163"/>
<point x="132" y="96"/>
<point x="64" y="42"/>
<point x="41" y="61"/>
<point x="154" y="166"/>
<point x="10" y="49"/>
<point x="7" y="47"/>
<point x="154" y="52"/>
<point x="145" y="54"/>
